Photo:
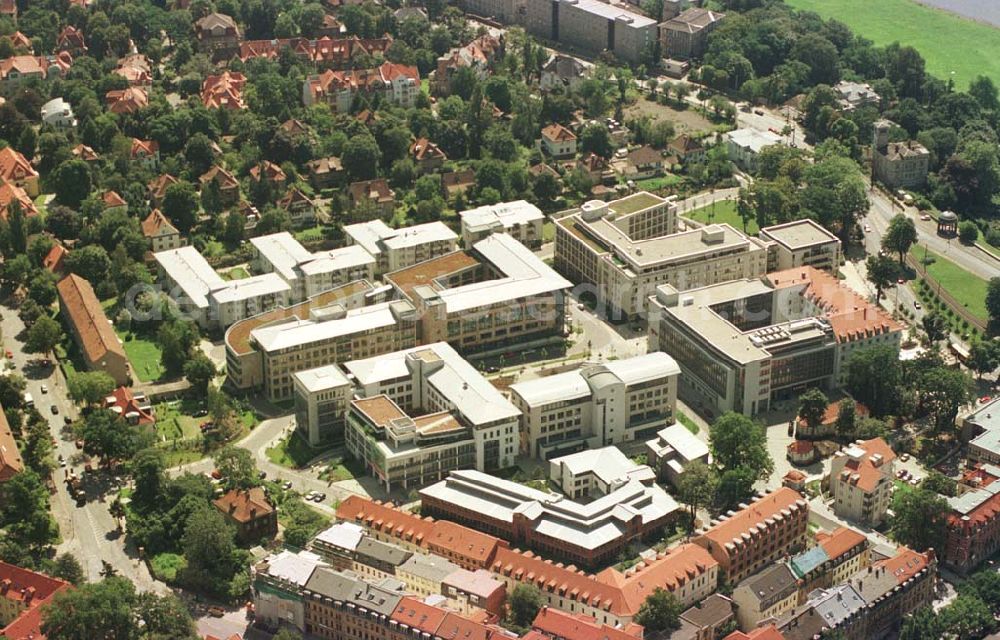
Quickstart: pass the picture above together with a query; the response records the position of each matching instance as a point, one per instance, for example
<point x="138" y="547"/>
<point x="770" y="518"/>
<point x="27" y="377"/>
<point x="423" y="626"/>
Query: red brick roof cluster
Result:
<point x="323" y="50"/>
<point x="29" y="591"/>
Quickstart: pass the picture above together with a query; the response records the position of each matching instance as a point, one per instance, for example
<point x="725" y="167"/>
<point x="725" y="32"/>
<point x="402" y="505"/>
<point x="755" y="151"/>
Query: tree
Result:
<point x="882" y="272"/>
<point x="595" y="138"/>
<point x="985" y="585"/>
<point x="90" y="387"/>
<point x="90" y="263"/>
<point x="922" y="624"/>
<point x="993" y="304"/>
<point x="968" y="232"/>
<point x="234" y="228"/>
<point x="24" y="514"/>
<point x="199" y="371"/>
<point x="984" y="356"/>
<point x="696" y="487"/>
<point x="546" y="187"/>
<point x="938" y="483"/>
<point x="147" y="469"/>
<point x="660" y="612"/>
<point x="935" y="326"/>
<point x="71" y="182"/>
<point x="43" y="336"/>
<point x="209" y="545"/>
<point x="735" y="486"/>
<point x="361" y="157"/>
<point x="524" y="603"/>
<point x="920" y="519"/>
<point x="108" y="436"/>
<point x="36" y="450"/>
<point x="739" y="442"/>
<point x="874" y="377"/>
<point x="847" y="417"/>
<point x="943" y="391"/>
<point x="967" y="618"/>
<point x="180" y="205"/>
<point x="899" y="237"/>
<point x="68" y="568"/>
<point x="237" y="468"/>
<point x="812" y="407"/>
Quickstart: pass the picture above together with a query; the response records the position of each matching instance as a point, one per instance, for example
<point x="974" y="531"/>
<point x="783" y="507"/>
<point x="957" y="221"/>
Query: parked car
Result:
<point x="916" y="304"/>
<point x="45" y="389"/>
<point x="216" y="611"/>
<point x="286" y="485"/>
<point x="905" y="457"/>
<point x="54" y="409"/>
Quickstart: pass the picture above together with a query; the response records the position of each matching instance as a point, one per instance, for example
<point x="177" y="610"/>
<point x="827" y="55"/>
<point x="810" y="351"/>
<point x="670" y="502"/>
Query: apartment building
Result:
<point x="801" y="243"/>
<point x="475" y="593"/>
<point x="91" y="330"/>
<point x="672" y="450"/>
<point x="250" y="513"/>
<point x="898" y="164"/>
<point x="395" y="249"/>
<point x="210" y="300"/>
<point x="309" y="273"/>
<point x="278" y="582"/>
<point x="398" y="84"/>
<point x="160" y="232"/>
<point x="493" y="295"/>
<point x="424" y="573"/>
<point x="745" y="145"/>
<point x="741" y="345"/>
<point x="558" y="141"/>
<point x="553" y="624"/>
<point x="836" y="557"/>
<point x="685" y="35"/>
<point x="754" y="537"/>
<point x="592" y="26"/>
<point x="861" y="479"/>
<point x="217" y="32"/>
<point x="871" y="603"/>
<point x="519" y="219"/>
<point x="626" y="248"/>
<point x="612" y="597"/>
<point x="619" y="402"/>
<point x="765" y="596"/>
<point x="11" y="463"/>
<point x="23" y="595"/>
<point x="595" y="473"/>
<point x="551" y="524"/>
<point x="322" y="398"/>
<point x="15" y="168"/>
<point x="973" y="527"/>
<point x="420" y="413"/>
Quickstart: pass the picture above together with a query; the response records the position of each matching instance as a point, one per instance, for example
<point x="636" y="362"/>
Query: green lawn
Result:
<point x="948" y="42"/>
<point x="145" y="356"/>
<point x="292" y="452"/>
<point x="965" y="287"/>
<point x="166" y="565"/>
<point x="688" y="423"/>
<point x="655" y="184"/>
<point x="722" y="211"/>
<point x="548" y="231"/>
<point x="236" y="273"/>
<point x="172" y="423"/>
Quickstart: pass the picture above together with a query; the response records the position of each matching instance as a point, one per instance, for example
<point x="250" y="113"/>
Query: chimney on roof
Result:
<point x="4" y="585"/>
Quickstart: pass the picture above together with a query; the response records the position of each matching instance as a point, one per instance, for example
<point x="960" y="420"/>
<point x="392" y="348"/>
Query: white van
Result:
<point x="28" y="400"/>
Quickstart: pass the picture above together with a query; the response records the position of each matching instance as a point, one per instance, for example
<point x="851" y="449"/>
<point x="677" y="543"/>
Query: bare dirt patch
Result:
<point x="686" y="121"/>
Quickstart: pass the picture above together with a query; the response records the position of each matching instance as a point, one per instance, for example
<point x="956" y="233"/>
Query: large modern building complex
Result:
<point x="620" y="402"/>
<point x="395" y="249"/>
<point x="742" y="344"/>
<point x="592" y="26"/>
<point x="322" y="397"/>
<point x="425" y="411"/>
<point x="628" y="247"/>
<point x="308" y="273"/>
<point x="587" y="535"/>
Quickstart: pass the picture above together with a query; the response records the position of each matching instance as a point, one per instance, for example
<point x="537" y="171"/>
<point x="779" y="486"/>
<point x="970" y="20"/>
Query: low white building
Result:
<point x="395" y="249"/>
<point x="801" y="243"/>
<point x="58" y="113"/>
<point x="745" y="145"/>
<point x="308" y="273"/>
<point x="596" y="472"/>
<point x="622" y="402"/>
<point x="672" y="450"/>
<point x="322" y="396"/>
<point x="519" y="219"/>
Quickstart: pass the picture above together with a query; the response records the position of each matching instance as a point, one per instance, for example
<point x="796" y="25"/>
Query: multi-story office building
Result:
<point x="208" y="299"/>
<point x="423" y="412"/>
<point x="772" y="526"/>
<point x="519" y="219"/>
<point x="626" y="248"/>
<point x="395" y="249"/>
<point x="981" y="430"/>
<point x="620" y="402"/>
<point x="306" y="273"/>
<point x="586" y="535"/>
<point x="861" y="481"/>
<point x="801" y="243"/>
<point x="322" y="398"/>
<point x="595" y="473"/>
<point x="496" y="294"/>
<point x="740" y="345"/>
<point x="592" y="26"/>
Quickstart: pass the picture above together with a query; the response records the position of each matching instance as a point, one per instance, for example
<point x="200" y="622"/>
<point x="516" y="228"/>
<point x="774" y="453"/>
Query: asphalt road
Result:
<point x="89" y="531"/>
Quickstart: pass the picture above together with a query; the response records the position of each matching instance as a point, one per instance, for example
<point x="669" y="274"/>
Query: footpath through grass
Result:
<point x="947" y="42"/>
<point x="968" y="289"/>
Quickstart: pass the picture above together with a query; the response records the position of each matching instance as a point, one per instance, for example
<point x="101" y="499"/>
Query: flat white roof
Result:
<point x="560" y="387"/>
<point x="644" y="368"/>
<point x="507" y="214"/>
<point x="753" y="139"/>
<point x="192" y="273"/>
<point x="456" y="380"/>
<point x="611" y="12"/>
<point x="677" y="437"/>
<point x="345" y="535"/>
<point x="368" y="234"/>
<point x="299" y="332"/>
<point x="799" y="234"/>
<point x="246" y="288"/>
<point x="524" y="273"/>
<point x="283" y="251"/>
<point x="321" y="378"/>
<point x="337" y="260"/>
<point x="376" y="235"/>
<point x="295" y="568"/>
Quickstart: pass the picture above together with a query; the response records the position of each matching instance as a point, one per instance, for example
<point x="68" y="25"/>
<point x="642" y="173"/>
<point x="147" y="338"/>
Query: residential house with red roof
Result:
<point x="553" y="624"/>
<point x="157" y="188"/>
<point x="11" y="463"/>
<point x="20" y="42"/>
<point x="135" y="408"/>
<point x="136" y="69"/>
<point x="126" y="101"/>
<point x="11" y="193"/>
<point x="375" y="193"/>
<point x="84" y="316"/>
<point x="427" y="155"/>
<point x="55" y="260"/>
<point x="325" y="172"/>
<point x="114" y="202"/>
<point x="828" y="423"/>
<point x="399" y="84"/>
<point x="23" y="594"/>
<point x="478" y="55"/>
<point x="223" y="91"/>
<point x="769" y="632"/>
<point x="558" y="141"/>
<point x="17" y="169"/>
<point x="269" y="171"/>
<point x="861" y="481"/>
<point x="145" y="152"/>
<point x="327" y="52"/>
<point x="250" y="511"/>
<point x="85" y="153"/>
<point x="16" y="68"/>
<point x="225" y="182"/>
<point x="162" y="234"/>
<point x="301" y="209"/>
<point x="71" y="41"/>
<point x="217" y="32"/>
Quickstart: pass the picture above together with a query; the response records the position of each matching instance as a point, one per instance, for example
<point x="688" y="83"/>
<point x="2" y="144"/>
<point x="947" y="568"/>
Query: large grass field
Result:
<point x="722" y="211"/>
<point x="947" y="42"/>
<point x="967" y="288"/>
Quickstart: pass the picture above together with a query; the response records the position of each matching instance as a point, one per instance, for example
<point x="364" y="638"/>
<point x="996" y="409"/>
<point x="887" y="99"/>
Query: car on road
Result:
<point x="901" y="281"/>
<point x="54" y="409"/>
<point x="925" y="217"/>
<point x="67" y="420"/>
<point x="45" y="389"/>
<point x="78" y="444"/>
<point x="216" y="611"/>
<point x="759" y="112"/>
<point x="262" y="475"/>
<point x="581" y="306"/>
<point x="286" y="485"/>
<point x="916" y="304"/>
<point x="319" y="497"/>
<point x="868" y="228"/>
<point x="8" y="354"/>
